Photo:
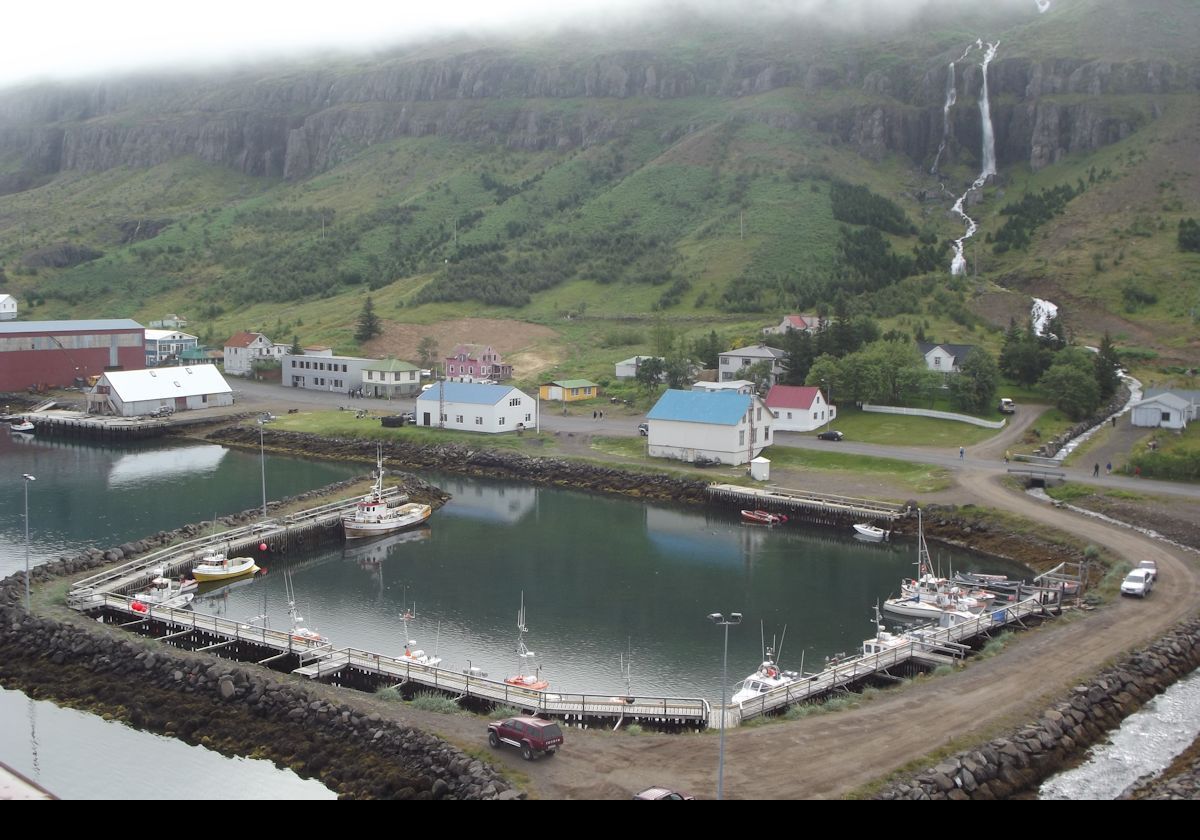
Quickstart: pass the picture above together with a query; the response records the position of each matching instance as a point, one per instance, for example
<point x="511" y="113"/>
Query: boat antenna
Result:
<point x="762" y="633"/>
<point x="779" y="650"/>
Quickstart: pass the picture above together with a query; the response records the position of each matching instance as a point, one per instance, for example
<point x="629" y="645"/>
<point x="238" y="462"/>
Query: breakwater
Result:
<point x="1018" y="762"/>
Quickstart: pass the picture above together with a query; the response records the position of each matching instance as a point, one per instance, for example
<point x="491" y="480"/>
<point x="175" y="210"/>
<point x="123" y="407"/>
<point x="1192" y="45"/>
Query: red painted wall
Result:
<point x="58" y="367"/>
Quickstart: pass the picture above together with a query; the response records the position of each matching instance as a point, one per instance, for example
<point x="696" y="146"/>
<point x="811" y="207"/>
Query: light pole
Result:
<point x="262" y="459"/>
<point x="28" y="478"/>
<point x="722" y="621"/>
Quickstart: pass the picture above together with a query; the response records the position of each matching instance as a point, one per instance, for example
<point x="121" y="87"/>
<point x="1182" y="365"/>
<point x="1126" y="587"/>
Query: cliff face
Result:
<point x="297" y="124"/>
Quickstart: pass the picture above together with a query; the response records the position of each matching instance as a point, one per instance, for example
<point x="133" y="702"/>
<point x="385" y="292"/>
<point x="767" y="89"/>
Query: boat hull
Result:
<point x="406" y="516"/>
<point x="870" y="532"/>
<point x="234" y="570"/>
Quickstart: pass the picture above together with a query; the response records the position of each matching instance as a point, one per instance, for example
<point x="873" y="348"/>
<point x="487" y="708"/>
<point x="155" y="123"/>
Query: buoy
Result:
<point x="262" y="546"/>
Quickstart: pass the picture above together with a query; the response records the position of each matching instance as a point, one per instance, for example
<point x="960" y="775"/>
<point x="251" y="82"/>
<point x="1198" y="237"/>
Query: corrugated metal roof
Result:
<point x="86" y="325"/>
<point x="792" y="396"/>
<point x="723" y="408"/>
<point x="166" y="383"/>
<point x="574" y="383"/>
<point x="166" y="335"/>
<point x="756" y="351"/>
<point x="243" y="339"/>
<point x="472" y="393"/>
<point x="390" y="365"/>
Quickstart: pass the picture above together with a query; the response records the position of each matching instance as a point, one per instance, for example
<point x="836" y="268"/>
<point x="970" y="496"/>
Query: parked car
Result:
<point x="831" y="434"/>
<point x="408" y="417"/>
<point x="659" y="793"/>
<point x="1151" y="567"/>
<point x="530" y="735"/>
<point x="1006" y="406"/>
<point x="1139" y="582"/>
<point x="644" y="429"/>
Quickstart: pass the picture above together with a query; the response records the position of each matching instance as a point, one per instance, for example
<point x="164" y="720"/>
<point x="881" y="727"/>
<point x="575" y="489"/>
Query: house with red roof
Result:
<point x="804" y="323"/>
<point x="799" y="408"/>
<point x="476" y="363"/>
<point x="243" y="349"/>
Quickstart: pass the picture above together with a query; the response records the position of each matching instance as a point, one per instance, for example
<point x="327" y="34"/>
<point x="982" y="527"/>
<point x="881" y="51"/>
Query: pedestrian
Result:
<point x="1108" y="468"/>
<point x="601" y="414"/>
<point x="1006" y="456"/>
<point x="594" y="413"/>
<point x="1096" y="471"/>
<point x="1114" y="421"/>
<point x="962" y="453"/>
<point x="1137" y="472"/>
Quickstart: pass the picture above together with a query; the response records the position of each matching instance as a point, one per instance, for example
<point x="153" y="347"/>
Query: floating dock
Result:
<point x="817" y="508"/>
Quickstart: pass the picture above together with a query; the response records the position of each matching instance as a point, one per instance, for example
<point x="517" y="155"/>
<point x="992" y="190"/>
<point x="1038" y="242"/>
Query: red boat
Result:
<point x="762" y="517"/>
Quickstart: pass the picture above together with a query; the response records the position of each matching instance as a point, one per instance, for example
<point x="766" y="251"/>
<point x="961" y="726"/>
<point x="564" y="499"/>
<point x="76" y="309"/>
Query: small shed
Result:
<point x="760" y="469"/>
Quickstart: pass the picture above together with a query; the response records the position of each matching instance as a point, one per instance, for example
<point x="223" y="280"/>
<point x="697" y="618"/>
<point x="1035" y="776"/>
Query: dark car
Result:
<point x="831" y="434"/>
<point x="530" y="735"/>
<point x="660" y="793"/>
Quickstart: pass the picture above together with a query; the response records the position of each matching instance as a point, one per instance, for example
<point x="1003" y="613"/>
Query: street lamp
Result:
<point x="28" y="478"/>
<point x="722" y="621"/>
<point x="262" y="459"/>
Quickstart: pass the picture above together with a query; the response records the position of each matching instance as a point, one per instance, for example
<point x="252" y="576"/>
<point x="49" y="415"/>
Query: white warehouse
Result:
<point x="129" y="393"/>
<point x="473" y="407"/>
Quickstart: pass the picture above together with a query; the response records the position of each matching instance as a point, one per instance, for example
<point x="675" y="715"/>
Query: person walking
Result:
<point x="1006" y="456"/>
<point x="1096" y="471"/>
<point x="962" y="453"/>
<point x="1108" y="468"/>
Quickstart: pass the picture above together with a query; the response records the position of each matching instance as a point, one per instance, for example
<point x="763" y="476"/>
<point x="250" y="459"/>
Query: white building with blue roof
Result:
<point x="472" y="407"/>
<point x="723" y="426"/>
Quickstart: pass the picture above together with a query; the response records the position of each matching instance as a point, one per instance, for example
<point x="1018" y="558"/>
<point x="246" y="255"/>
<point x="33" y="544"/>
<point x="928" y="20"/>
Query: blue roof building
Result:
<point x="723" y="426"/>
<point x="473" y="407"/>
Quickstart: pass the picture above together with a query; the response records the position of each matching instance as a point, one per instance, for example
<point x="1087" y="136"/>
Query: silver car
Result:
<point x="1139" y="582"/>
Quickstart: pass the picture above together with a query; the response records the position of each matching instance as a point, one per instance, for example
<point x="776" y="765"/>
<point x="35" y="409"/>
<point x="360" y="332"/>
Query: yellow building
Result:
<point x="569" y="390"/>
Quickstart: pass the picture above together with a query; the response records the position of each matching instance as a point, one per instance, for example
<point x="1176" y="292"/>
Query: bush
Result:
<point x="431" y="701"/>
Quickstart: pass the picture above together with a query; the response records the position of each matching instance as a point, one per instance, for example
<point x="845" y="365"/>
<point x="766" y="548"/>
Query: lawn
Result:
<point x="1050" y="423"/>
<point x="344" y="424"/>
<point x="901" y="430"/>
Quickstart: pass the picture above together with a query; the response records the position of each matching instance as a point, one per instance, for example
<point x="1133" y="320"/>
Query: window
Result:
<point x="753" y="435"/>
<point x="458" y="418"/>
<point x="478" y="421"/>
<point x="501" y="421"/>
<point x="745" y="362"/>
<point x="528" y="418"/>
<point x="344" y="370"/>
<point x="937" y="361"/>
<point x="1166" y="417"/>
<point x="758" y="414"/>
<point x="725" y="360"/>
<point x="515" y="401"/>
<point x="742" y="437"/>
<point x="443" y="416"/>
<point x="814" y="415"/>
<point x="574" y="392"/>
<point x="766" y="434"/>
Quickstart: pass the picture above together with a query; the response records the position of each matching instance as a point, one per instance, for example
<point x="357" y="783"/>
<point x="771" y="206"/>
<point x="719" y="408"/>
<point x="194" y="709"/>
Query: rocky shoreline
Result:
<point x="1019" y="762"/>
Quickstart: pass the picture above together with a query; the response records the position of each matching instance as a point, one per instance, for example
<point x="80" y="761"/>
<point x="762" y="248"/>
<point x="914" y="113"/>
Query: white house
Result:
<point x="1164" y="410"/>
<point x="726" y="426"/>
<point x="803" y="323"/>
<point x="944" y="358"/>
<point x="390" y="378"/>
<point x="732" y="362"/>
<point x="243" y="349"/>
<point x="628" y="368"/>
<point x="129" y="393"/>
<point x="741" y="386"/>
<point x="166" y="347"/>
<point x="8" y="308"/>
<point x="317" y="369"/>
<point x="799" y="408"/>
<point x="474" y="407"/>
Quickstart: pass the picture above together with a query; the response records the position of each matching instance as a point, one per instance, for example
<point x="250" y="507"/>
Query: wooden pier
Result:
<point x="817" y="508"/>
<point x="77" y="424"/>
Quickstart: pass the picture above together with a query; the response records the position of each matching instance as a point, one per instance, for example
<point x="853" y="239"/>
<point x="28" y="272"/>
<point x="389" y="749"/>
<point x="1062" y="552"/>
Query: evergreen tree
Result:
<point x="1108" y="365"/>
<point x="368" y="323"/>
<point x="297" y="350"/>
<point x="800" y="349"/>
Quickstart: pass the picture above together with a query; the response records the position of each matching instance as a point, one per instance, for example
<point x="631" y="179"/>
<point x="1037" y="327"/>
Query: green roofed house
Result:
<point x="569" y="390"/>
<point x="390" y="378"/>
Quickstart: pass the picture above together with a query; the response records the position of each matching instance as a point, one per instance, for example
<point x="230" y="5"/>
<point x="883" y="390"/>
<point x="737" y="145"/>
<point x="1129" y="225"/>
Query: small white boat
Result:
<point x="164" y="592"/>
<point x="298" y="633"/>
<point x="216" y="566"/>
<point x="411" y="652"/>
<point x="23" y="426"/>
<point x="534" y="681"/>
<point x="375" y="516"/>
<point x="768" y="676"/>
<point x="869" y="532"/>
<point x="883" y="640"/>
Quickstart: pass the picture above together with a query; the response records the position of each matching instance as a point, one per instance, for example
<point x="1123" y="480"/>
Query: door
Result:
<point x="425" y="422"/>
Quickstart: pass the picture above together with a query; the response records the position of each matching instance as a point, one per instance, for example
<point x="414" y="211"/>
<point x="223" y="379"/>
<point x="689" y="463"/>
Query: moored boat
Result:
<point x="869" y="532"/>
<point x="763" y="517"/>
<point x="375" y="516"/>
<point x="534" y="681"/>
<point x="768" y="676"/>
<point x="23" y="426"/>
<point x="216" y="566"/>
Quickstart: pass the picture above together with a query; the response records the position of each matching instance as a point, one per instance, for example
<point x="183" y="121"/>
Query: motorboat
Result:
<point x="769" y="676"/>
<point x="534" y="681"/>
<point x="375" y="516"/>
<point x="938" y="590"/>
<point x="216" y="566"/>
<point x="883" y="640"/>
<point x="928" y="596"/>
<point x="298" y="633"/>
<point x="411" y="652"/>
<point x="763" y="517"/>
<point x="869" y="532"/>
<point x="22" y="426"/>
<point x="164" y="592"/>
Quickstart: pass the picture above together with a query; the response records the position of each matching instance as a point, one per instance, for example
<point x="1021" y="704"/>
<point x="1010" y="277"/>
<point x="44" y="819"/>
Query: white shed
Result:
<point x="8" y="308"/>
<point x="130" y="393"/>
<point x="1166" y="411"/>
<point x="760" y="469"/>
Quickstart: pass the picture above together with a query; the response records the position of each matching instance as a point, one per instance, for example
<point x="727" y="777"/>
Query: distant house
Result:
<point x="129" y="393"/>
<point x="728" y="427"/>
<point x="1166" y="409"/>
<point x="390" y="378"/>
<point x="317" y="369"/>
<point x="741" y="386"/>
<point x="799" y="408"/>
<point x="944" y="358"/>
<point x="732" y="362"/>
<point x="803" y="323"/>
<point x="474" y="407"/>
<point x="475" y="362"/>
<point x="167" y="347"/>
<point x="171" y="322"/>
<point x="628" y="368"/>
<point x="569" y="390"/>
<point x="243" y="349"/>
<point x="8" y="308"/>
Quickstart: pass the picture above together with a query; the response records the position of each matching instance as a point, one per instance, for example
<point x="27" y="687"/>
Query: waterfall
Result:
<point x="1043" y="313"/>
<point x="1043" y="6"/>
<point x="959" y="264"/>
<point x="951" y="97"/>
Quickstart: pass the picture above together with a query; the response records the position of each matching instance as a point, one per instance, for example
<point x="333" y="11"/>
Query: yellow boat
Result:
<point x="219" y="567"/>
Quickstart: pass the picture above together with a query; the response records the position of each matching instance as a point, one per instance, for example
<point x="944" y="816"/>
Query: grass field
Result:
<point x="901" y="430"/>
<point x="344" y="424"/>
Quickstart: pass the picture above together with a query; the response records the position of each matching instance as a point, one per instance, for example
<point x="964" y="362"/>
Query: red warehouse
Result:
<point x="46" y="354"/>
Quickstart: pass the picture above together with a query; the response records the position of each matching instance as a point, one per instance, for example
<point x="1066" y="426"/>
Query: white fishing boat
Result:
<point x="411" y="652"/>
<point x="928" y="596"/>
<point x="869" y="532"/>
<point x="375" y="516"/>
<point x="883" y="640"/>
<point x="22" y="426"/>
<point x="164" y="592"/>
<point x="216" y="566"/>
<point x="534" y="681"/>
<point x="768" y="676"/>
<point x="299" y="633"/>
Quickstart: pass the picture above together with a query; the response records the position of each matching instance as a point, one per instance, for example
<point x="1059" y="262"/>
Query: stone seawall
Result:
<point x="1022" y="760"/>
<point x="231" y="707"/>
